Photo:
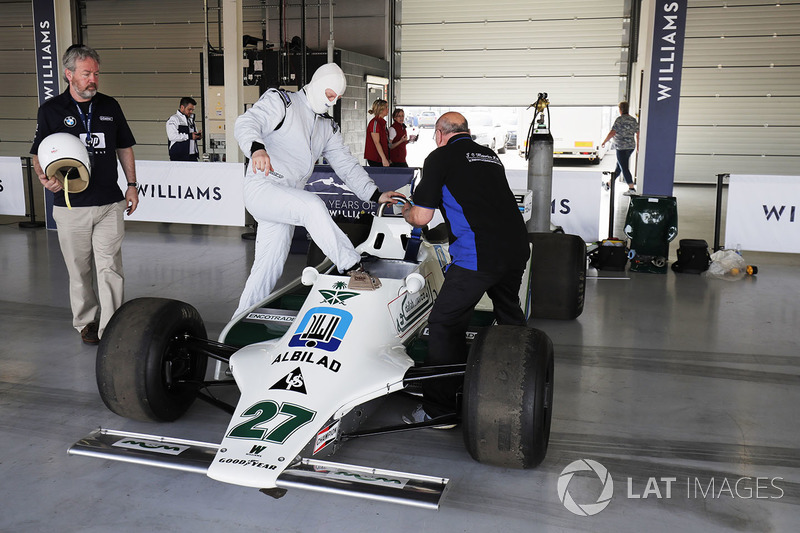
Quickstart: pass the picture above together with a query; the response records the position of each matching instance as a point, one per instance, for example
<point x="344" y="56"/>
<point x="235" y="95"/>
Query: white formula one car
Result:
<point x="310" y="363"/>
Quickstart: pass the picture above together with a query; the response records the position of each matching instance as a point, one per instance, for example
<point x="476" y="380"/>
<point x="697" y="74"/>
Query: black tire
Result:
<point x="558" y="275"/>
<point x="139" y="362"/>
<point x="508" y="397"/>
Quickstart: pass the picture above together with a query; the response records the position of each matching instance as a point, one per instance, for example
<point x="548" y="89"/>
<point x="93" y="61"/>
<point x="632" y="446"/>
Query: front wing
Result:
<point x="321" y="476"/>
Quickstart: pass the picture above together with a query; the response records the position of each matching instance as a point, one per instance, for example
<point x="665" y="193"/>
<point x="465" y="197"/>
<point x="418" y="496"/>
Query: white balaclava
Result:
<point x="328" y="76"/>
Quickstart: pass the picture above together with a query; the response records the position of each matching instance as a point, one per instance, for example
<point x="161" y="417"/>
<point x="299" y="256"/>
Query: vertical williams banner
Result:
<point x="44" y="30"/>
<point x="44" y="22"/>
<point x="664" y="96"/>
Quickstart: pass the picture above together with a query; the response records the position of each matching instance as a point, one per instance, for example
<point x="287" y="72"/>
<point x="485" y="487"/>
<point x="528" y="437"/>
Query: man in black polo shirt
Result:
<point x="488" y="246"/>
<point x="91" y="228"/>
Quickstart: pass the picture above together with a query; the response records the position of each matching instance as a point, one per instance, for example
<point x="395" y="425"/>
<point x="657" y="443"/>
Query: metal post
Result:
<point x="718" y="210"/>
<point x="611" y="213"/>
<point x="303" y="44"/>
<point x="32" y="223"/>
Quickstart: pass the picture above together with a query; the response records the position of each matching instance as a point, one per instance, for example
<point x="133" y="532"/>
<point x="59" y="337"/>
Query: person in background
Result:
<point x="182" y="133"/>
<point x="398" y="137"/>
<point x="376" y="147"/>
<point x="625" y="133"/>
<point x="284" y="134"/>
<point x="91" y="230"/>
<point x="488" y="246"/>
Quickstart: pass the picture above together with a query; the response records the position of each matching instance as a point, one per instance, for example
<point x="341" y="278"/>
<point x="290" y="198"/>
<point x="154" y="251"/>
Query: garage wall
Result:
<point x="505" y="52"/>
<point x="18" y="93"/>
<point x="151" y="57"/>
<point x="740" y="95"/>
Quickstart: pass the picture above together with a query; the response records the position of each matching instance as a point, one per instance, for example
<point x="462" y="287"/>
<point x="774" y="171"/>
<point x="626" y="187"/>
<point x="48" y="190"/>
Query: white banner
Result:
<point x="763" y="213"/>
<point x="575" y="202"/>
<point x="12" y="187"/>
<point x="189" y="193"/>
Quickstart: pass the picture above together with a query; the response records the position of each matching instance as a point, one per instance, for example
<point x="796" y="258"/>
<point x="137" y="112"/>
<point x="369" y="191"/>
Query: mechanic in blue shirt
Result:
<point x="91" y="229"/>
<point x="488" y="247"/>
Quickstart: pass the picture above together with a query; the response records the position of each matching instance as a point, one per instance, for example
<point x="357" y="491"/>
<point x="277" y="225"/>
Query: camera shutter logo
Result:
<point x="586" y="509"/>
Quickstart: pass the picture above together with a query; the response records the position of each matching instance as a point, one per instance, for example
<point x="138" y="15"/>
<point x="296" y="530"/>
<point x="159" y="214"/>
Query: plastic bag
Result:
<point x="727" y="265"/>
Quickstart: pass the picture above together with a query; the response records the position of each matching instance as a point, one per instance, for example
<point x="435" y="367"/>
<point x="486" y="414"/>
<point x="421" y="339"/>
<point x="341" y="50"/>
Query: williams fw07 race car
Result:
<point x="310" y="362"/>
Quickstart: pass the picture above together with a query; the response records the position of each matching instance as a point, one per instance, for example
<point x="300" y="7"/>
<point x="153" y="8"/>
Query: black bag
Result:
<point x="612" y="254"/>
<point x="693" y="256"/>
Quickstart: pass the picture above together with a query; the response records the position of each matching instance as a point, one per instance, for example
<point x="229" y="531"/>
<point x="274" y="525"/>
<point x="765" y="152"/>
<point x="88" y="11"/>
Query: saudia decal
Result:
<point x="337" y="295"/>
<point x="323" y="328"/>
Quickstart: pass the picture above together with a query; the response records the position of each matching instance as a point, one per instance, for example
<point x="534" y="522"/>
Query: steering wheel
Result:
<point x="400" y="200"/>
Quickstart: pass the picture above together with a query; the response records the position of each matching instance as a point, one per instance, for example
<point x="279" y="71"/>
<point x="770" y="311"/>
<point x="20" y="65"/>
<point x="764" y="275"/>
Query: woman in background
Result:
<point x="376" y="148"/>
<point x="625" y="132"/>
<point x="398" y="137"/>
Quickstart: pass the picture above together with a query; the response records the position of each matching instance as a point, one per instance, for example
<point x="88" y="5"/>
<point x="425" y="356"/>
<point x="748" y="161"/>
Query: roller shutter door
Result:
<point x="18" y="92"/>
<point x="740" y="94"/>
<point x="505" y="52"/>
<point x="150" y="53"/>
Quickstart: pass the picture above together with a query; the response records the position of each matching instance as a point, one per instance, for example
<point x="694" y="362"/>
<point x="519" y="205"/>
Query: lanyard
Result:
<point x="86" y="118"/>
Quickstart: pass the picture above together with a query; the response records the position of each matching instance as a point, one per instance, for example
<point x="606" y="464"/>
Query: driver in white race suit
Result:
<point x="284" y="134"/>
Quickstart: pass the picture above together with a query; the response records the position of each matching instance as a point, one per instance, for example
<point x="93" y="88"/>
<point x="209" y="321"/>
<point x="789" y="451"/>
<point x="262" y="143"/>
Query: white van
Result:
<point x="578" y="132"/>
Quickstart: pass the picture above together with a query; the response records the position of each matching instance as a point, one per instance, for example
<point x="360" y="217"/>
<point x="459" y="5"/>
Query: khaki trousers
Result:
<point x="91" y="240"/>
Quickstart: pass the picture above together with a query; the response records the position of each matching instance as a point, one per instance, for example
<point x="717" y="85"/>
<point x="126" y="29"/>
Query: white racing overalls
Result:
<point x="277" y="200"/>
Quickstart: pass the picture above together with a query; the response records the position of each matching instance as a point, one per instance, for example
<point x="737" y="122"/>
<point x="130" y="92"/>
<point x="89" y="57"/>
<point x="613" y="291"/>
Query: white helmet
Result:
<point x="328" y="76"/>
<point x="64" y="157"/>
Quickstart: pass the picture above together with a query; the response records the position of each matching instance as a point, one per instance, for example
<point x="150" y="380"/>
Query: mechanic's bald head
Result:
<point x="449" y="124"/>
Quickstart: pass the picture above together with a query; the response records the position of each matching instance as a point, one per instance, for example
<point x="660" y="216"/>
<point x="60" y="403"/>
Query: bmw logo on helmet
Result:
<point x="70" y="121"/>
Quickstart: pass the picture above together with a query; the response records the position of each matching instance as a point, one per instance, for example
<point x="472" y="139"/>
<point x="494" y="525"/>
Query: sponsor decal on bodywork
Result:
<point x="256" y="450"/>
<point x="293" y="381"/>
<point x="150" y="446"/>
<point x="325" y="436"/>
<point x="380" y="480"/>
<point x="408" y="309"/>
<point x="246" y="462"/>
<point x="270" y="317"/>
<point x="308" y="357"/>
<point x="469" y="335"/>
<point x="323" y="328"/>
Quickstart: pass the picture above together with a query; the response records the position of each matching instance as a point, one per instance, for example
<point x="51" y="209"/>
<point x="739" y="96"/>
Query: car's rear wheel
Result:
<point x="508" y="396"/>
<point x="144" y="370"/>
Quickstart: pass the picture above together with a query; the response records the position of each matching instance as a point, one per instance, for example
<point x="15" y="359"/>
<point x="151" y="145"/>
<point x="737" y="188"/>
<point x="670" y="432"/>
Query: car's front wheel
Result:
<point x="508" y="396"/>
<point x="144" y="370"/>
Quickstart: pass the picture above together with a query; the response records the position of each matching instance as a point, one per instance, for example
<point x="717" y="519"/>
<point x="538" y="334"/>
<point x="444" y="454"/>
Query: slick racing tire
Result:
<point x="143" y="371"/>
<point x="508" y="397"/>
<point x="558" y="275"/>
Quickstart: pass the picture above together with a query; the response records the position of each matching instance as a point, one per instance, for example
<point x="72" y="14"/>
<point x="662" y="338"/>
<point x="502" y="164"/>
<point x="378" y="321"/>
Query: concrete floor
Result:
<point x="669" y="381"/>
